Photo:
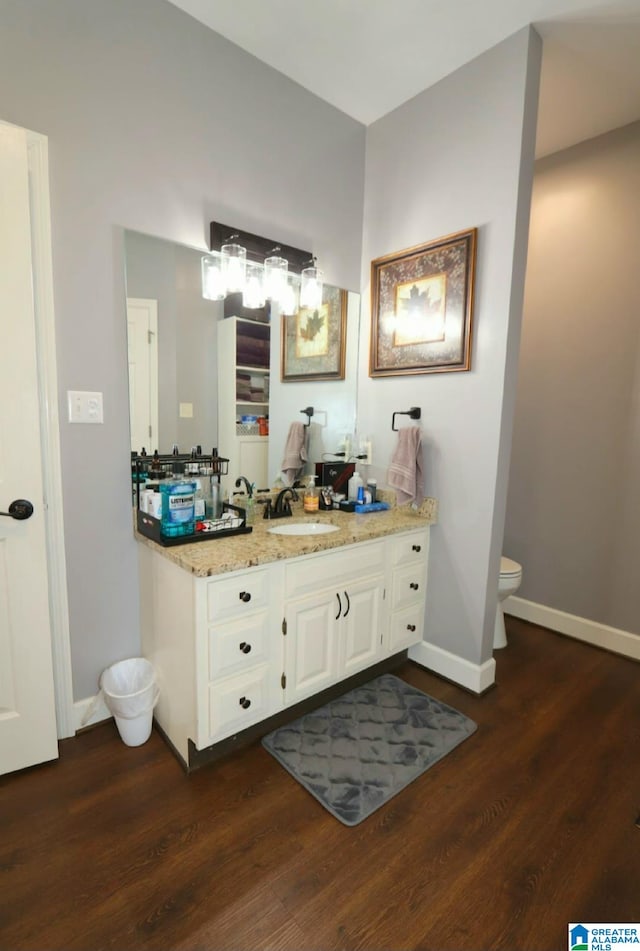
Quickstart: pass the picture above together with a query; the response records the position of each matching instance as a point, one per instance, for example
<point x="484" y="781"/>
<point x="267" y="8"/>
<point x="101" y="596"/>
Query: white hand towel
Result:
<point x="405" y="473"/>
<point x="295" y="452"/>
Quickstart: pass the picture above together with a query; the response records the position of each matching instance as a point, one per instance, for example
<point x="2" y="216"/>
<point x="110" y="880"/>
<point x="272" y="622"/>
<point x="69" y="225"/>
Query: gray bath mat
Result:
<point x="356" y="752"/>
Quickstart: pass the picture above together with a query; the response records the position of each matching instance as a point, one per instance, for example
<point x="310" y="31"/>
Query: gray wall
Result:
<point x="459" y="155"/>
<point x="573" y="515"/>
<point x="159" y="125"/>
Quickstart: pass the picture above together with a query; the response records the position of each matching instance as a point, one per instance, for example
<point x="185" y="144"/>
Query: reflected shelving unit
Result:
<point x="244" y="347"/>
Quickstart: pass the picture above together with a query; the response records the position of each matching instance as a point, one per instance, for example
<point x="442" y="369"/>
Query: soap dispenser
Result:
<point x="311" y="501"/>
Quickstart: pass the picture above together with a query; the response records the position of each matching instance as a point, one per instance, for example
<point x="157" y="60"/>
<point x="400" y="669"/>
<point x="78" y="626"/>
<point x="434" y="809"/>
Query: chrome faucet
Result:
<point x="282" y="506"/>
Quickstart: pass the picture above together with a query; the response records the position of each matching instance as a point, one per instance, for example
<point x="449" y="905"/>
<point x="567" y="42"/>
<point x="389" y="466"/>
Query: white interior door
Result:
<point x="142" y="339"/>
<point x="27" y="702"/>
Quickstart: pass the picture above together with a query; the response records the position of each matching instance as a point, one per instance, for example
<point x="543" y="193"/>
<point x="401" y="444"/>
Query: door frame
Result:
<point x="150" y="306"/>
<point x="38" y="160"/>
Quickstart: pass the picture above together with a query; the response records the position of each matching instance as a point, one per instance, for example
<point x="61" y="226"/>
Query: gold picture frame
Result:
<point x="422" y="307"/>
<point x="313" y="341"/>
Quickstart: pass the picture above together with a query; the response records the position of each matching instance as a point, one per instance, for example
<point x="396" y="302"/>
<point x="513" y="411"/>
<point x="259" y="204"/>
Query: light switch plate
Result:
<point x="85" y="406"/>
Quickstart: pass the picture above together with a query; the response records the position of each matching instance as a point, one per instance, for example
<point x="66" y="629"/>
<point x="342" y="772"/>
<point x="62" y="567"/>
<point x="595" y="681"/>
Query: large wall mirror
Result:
<point x="177" y="392"/>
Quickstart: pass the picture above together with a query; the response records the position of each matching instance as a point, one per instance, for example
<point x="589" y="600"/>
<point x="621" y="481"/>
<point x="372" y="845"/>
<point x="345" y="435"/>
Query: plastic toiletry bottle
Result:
<point x="199" y="501"/>
<point x="355" y="482"/>
<point x="311" y="500"/>
<point x="372" y="486"/>
<point x="178" y="498"/>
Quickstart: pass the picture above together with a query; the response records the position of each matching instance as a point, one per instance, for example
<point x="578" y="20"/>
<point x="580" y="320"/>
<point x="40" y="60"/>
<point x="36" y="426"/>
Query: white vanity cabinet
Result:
<point x="233" y="649"/>
<point x="215" y="644"/>
<point x="409" y="556"/>
<point x="334" y="617"/>
<point x="238" y="673"/>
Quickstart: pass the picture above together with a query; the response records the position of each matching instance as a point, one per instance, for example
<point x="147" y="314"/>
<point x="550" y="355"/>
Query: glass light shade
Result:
<point x="289" y="301"/>
<point x="275" y="277"/>
<point x="234" y="267"/>
<point x="311" y="280"/>
<point x="213" y="287"/>
<point x="253" y="293"/>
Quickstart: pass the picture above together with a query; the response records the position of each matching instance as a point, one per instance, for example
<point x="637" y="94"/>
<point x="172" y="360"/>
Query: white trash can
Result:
<point x="131" y="692"/>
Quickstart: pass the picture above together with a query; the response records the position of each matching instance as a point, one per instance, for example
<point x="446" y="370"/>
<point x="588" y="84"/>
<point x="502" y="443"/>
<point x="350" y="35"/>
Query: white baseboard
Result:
<point x="93" y="708"/>
<point x="475" y="677"/>
<point x="610" y="638"/>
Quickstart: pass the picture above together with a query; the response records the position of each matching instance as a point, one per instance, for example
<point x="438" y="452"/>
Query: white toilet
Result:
<point x="508" y="583"/>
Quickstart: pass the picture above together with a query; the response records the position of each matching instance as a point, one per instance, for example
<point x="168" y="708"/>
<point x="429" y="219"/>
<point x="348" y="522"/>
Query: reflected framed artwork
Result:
<point x="313" y="339"/>
<point x="422" y="307"/>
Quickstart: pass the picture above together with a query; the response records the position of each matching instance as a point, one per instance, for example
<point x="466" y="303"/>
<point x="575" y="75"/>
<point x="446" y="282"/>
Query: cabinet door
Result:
<point x="237" y="702"/>
<point x="237" y="595"/>
<point x="361" y="626"/>
<point x="406" y="627"/>
<point x="311" y="661"/>
<point x="238" y="645"/>
<point x="408" y="586"/>
<point x="412" y="547"/>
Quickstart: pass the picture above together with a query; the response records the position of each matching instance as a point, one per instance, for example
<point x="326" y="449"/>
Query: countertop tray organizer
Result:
<point x="142" y="468"/>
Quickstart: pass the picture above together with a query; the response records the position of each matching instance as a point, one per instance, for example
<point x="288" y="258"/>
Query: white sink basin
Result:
<point x="303" y="528"/>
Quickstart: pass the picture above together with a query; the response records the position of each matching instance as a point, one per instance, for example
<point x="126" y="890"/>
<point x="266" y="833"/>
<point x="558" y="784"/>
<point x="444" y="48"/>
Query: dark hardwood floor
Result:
<point x="525" y="827"/>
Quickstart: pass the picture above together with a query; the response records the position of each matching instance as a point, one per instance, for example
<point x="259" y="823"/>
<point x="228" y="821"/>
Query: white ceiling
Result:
<point x="368" y="56"/>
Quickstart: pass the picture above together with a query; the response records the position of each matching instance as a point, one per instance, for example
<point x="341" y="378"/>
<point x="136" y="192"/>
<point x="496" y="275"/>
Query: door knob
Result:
<point x="19" y="509"/>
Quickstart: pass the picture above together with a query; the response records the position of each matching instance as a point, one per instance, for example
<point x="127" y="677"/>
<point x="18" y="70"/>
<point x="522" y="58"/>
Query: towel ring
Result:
<point x="308" y="412"/>
<point x="414" y="413"/>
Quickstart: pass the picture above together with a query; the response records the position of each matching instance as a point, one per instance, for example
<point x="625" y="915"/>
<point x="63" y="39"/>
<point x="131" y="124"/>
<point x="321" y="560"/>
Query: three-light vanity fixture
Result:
<point x="261" y="270"/>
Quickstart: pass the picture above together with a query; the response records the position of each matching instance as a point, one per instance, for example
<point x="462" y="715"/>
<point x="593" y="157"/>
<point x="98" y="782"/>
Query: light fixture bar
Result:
<point x="256" y="245"/>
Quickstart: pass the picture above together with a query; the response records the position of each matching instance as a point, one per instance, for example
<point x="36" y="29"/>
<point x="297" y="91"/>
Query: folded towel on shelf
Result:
<point x="295" y="452"/>
<point x="405" y="473"/>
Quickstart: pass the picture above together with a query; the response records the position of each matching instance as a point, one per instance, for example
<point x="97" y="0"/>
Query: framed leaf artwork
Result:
<point x="313" y="339"/>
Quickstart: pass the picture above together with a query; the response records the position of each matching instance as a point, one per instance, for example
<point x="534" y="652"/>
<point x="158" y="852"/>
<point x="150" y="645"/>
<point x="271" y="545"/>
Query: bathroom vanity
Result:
<point x="241" y="629"/>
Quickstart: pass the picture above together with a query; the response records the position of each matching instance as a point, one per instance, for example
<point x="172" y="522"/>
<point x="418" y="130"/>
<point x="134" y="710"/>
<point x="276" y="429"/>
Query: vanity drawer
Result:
<point x="408" y="586"/>
<point x="237" y="595"/>
<point x="238" y="645"/>
<point x="333" y="569"/>
<point x="237" y="702"/>
<point x="411" y="549"/>
<point x="406" y="627"/>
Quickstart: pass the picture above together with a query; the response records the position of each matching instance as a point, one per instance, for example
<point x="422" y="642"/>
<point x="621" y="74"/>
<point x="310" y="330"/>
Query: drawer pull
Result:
<point x="414" y="585"/>
<point x="244" y="703"/>
<point x="348" y="604"/>
<point x="416" y="548"/>
<point x="245" y="596"/>
<point x="411" y="627"/>
<point x="245" y="648"/>
<point x="339" y="606"/>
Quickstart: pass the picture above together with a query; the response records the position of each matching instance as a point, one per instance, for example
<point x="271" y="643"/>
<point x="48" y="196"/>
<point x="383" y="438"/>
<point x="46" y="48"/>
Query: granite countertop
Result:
<point x="220" y="555"/>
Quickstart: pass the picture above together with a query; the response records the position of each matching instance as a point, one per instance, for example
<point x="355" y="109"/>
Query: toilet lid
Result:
<point x="509" y="567"/>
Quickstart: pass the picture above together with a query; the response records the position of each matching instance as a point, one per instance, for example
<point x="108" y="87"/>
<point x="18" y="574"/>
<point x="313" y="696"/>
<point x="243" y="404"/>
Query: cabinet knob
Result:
<point x="416" y="548"/>
<point x="245" y="648"/>
<point x="411" y="627"/>
<point x="414" y="585"/>
<point x="245" y="596"/>
<point x="244" y="703"/>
